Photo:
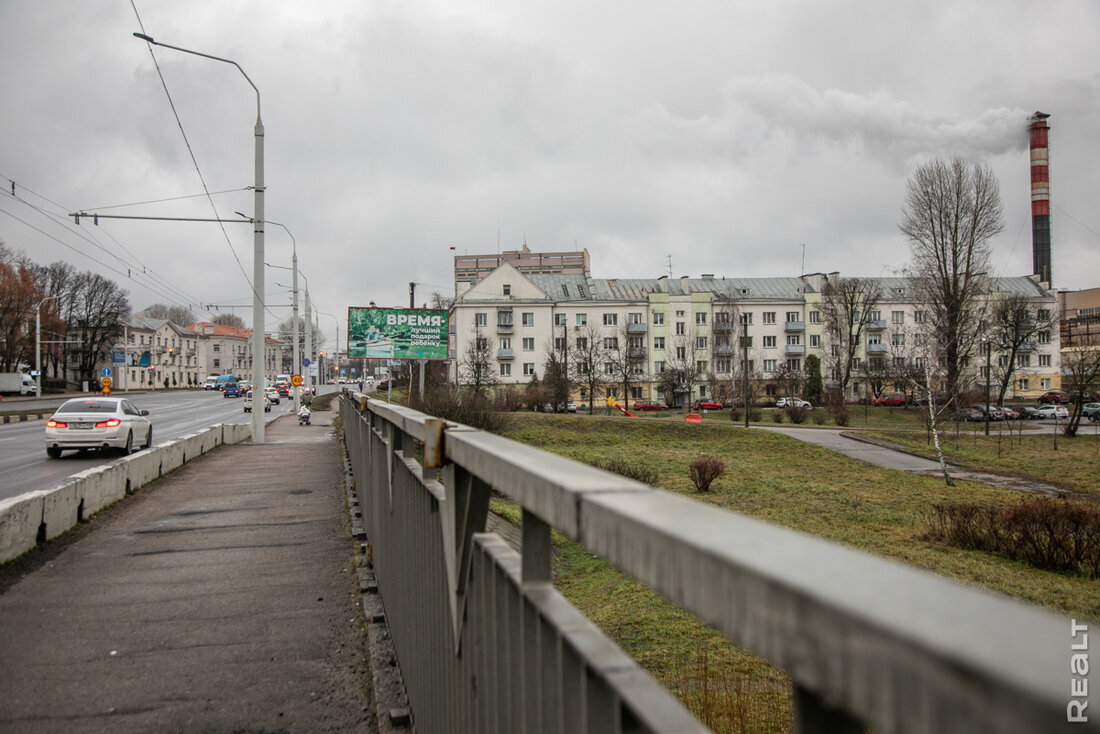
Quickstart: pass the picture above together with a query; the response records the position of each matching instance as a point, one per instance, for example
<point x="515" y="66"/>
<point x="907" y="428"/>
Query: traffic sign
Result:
<point x="106" y="372"/>
<point x="106" y="382"/>
<point x="296" y="380"/>
<point x="306" y="363"/>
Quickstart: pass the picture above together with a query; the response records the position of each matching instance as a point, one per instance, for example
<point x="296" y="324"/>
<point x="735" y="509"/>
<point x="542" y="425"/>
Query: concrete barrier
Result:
<point x="35" y="517"/>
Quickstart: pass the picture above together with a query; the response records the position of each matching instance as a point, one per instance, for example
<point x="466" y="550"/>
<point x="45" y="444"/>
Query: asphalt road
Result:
<point x="24" y="466"/>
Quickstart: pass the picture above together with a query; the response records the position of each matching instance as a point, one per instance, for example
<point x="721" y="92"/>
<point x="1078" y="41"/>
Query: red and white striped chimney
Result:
<point x="1040" y="197"/>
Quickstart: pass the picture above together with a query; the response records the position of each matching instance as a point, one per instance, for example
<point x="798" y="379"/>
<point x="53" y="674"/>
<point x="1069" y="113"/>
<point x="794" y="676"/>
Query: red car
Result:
<point x="706" y="405"/>
<point x="649" y="405"/>
<point x="892" y="398"/>
<point x="1054" y="397"/>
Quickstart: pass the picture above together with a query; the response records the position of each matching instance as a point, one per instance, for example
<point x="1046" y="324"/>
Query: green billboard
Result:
<point x="397" y="333"/>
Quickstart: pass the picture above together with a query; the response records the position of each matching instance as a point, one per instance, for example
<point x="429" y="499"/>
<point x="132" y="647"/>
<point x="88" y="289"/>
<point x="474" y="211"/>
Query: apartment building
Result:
<point x="707" y="328"/>
<point x="227" y="350"/>
<point x="470" y="269"/>
<point x="157" y="350"/>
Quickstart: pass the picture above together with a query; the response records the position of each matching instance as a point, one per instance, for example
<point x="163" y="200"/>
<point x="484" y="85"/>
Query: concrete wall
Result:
<point x="38" y="516"/>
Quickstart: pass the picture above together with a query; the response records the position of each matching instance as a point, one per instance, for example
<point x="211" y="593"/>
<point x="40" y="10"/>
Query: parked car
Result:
<point x="995" y="413"/>
<point x="97" y="423"/>
<point x="1090" y="409"/>
<point x="248" y="402"/>
<point x="938" y="399"/>
<point x="793" y="403"/>
<point x="1029" y="412"/>
<point x="891" y="398"/>
<point x="649" y="405"/>
<point x="1011" y="414"/>
<point x="1052" y="411"/>
<point x="283" y="389"/>
<point x="231" y="390"/>
<point x="1054" y="397"/>
<point x="706" y="405"/>
<point x="968" y="414"/>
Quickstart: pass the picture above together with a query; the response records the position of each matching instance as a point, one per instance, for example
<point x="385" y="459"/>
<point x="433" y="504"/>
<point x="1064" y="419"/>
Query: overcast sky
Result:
<point x="724" y="135"/>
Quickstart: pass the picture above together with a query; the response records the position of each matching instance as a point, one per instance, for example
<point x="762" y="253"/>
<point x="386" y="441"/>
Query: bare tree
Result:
<point x="285" y="334"/>
<point x="590" y="353"/>
<point x="1081" y="374"/>
<point x="19" y="294"/>
<point x="847" y="305"/>
<point x="627" y="357"/>
<point x="951" y="212"/>
<point x="98" y="309"/>
<point x="1015" y="325"/>
<point x="176" y="314"/>
<point x="476" y="365"/>
<point x="686" y="363"/>
<point x="229" y="319"/>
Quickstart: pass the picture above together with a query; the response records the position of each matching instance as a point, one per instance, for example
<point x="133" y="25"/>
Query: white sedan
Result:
<point x="1052" y="411"/>
<point x="97" y="423"/>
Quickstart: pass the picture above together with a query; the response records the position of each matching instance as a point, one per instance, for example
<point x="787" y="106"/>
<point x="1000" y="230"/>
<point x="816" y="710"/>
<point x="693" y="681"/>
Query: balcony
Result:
<point x="795" y="326"/>
<point x="723" y="350"/>
<point x="1028" y="347"/>
<point x="636" y="328"/>
<point x="877" y="349"/>
<point x="877" y="325"/>
<point x="505" y="354"/>
<point x="505" y="327"/>
<point x="722" y="327"/>
<point x="635" y="352"/>
<point x="794" y="350"/>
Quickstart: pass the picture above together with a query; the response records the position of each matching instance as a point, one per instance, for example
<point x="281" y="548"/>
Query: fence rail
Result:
<point x="486" y="644"/>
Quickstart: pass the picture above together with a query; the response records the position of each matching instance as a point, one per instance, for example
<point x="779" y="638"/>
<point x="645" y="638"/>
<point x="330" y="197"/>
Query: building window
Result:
<point x="768" y="341"/>
<point x="611" y="342"/>
<point x="528" y="319"/>
<point x="609" y="368"/>
<point x="680" y="313"/>
<point x="897" y="339"/>
<point x="681" y="352"/>
<point x="658" y="319"/>
<point x="611" y="319"/>
<point x="582" y="343"/>
<point x="815" y="341"/>
<point x="658" y="342"/>
<point x="217" y="348"/>
<point x="559" y="319"/>
<point x="815" y="317"/>
<point x="1023" y="360"/>
<point x="634" y="318"/>
<point x="217" y="363"/>
<point x="769" y="317"/>
<point x="680" y="328"/>
<point x="506" y="369"/>
<point x="528" y="369"/>
<point x="559" y="344"/>
<point x="918" y="316"/>
<point x="1044" y="337"/>
<point x="582" y="319"/>
<point x="1044" y="360"/>
<point x="746" y="319"/>
<point x="793" y="317"/>
<point x="794" y="364"/>
<point x="897" y="317"/>
<point x="874" y="315"/>
<point x="481" y="319"/>
<point x="1044" y="384"/>
<point x="1024" y="384"/>
<point x="507" y="289"/>
<point x="528" y="344"/>
<point x="769" y="365"/>
<point x="505" y="343"/>
<point x="794" y="339"/>
<point x="658" y="367"/>
<point x="582" y="368"/>
<point x="700" y="342"/>
<point x="701" y="366"/>
<point x="700" y="318"/>
<point x="1044" y="314"/>
<point x="722" y="366"/>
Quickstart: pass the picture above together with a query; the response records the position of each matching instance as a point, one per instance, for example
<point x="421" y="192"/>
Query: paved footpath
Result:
<point x="222" y="598"/>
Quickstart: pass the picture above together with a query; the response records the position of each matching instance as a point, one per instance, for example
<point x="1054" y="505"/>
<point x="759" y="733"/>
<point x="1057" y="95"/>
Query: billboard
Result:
<point x="397" y="333"/>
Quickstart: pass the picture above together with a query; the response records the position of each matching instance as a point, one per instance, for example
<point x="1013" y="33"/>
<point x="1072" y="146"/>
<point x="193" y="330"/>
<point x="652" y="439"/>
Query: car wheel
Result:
<point x="148" y="439"/>
<point x="129" y="447"/>
<point x="53" y="452"/>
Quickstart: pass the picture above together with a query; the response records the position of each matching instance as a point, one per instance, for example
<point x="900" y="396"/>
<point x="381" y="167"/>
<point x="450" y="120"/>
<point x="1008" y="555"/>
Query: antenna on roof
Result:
<point x="669" y="258"/>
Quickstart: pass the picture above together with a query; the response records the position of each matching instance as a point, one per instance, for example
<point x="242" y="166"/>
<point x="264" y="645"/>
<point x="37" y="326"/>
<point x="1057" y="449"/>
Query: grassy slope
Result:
<point x="780" y="480"/>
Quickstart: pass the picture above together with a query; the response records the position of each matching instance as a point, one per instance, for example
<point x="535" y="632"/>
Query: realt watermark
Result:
<point x="1079" y="668"/>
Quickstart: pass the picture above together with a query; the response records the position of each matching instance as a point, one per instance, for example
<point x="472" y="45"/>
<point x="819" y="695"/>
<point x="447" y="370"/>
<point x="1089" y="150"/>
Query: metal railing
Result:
<point x="486" y="644"/>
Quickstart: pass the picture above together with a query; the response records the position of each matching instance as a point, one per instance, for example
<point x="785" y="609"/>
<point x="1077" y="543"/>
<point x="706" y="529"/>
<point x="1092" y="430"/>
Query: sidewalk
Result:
<point x="221" y="598"/>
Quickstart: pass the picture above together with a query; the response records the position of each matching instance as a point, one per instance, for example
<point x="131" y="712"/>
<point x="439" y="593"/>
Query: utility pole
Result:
<point x="745" y="367"/>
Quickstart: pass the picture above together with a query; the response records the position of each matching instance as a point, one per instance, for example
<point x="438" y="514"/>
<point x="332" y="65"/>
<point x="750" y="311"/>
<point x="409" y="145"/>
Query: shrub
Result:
<point x="755" y="415"/>
<point x="796" y="414"/>
<point x="462" y="406"/>
<point x="777" y="416"/>
<point x="841" y="416"/>
<point x="820" y="417"/>
<point x="644" y="474"/>
<point x="736" y="415"/>
<point x="1057" y="535"/>
<point x="705" y="470"/>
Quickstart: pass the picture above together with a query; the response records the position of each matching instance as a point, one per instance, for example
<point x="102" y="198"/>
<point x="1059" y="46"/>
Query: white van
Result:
<point x="210" y="383"/>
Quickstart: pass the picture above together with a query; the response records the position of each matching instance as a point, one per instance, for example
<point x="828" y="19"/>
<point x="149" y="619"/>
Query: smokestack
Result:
<point x="1040" y="197"/>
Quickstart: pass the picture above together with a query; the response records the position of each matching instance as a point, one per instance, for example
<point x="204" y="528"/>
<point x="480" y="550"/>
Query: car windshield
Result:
<point x="88" y="406"/>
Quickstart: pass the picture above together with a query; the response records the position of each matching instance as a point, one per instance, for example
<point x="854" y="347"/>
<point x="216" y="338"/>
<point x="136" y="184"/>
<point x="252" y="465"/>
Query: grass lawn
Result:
<point x="783" y="481"/>
<point x="1041" y="453"/>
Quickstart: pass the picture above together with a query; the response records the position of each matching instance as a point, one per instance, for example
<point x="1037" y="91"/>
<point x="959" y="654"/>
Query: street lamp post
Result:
<point x="38" y="345"/>
<point x="258" y="342"/>
<point x="297" y="348"/>
<point x="336" y="354"/>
